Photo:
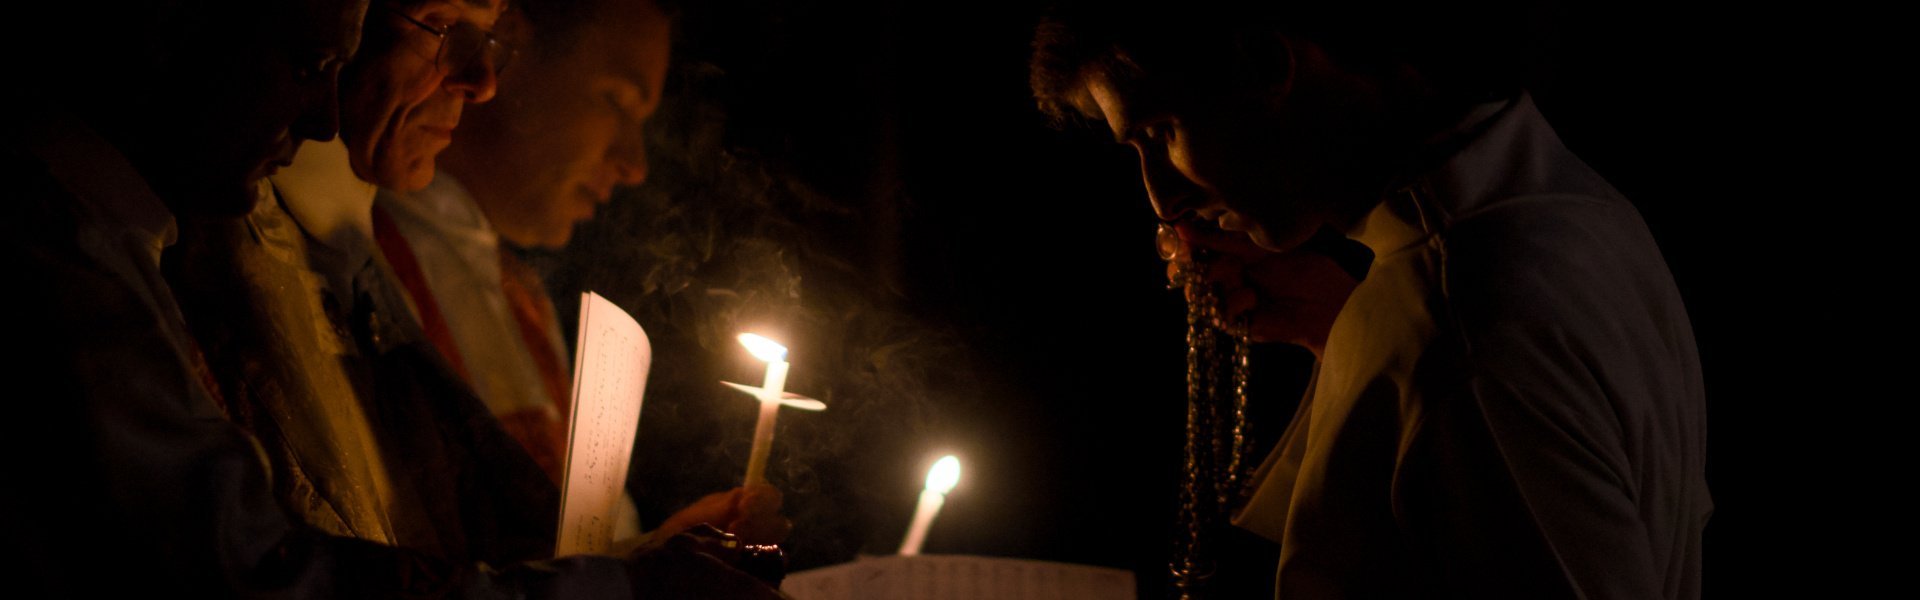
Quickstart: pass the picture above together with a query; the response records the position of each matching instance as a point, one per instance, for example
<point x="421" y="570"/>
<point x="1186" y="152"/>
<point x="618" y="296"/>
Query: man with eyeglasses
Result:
<point x="376" y="436"/>
<point x="429" y="61"/>
<point x="129" y="479"/>
<point x="309" y="342"/>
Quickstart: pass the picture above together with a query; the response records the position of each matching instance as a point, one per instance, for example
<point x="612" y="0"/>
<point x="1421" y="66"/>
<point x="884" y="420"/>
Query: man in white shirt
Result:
<point x="1510" y="403"/>
<point x="133" y="478"/>
<point x="526" y="169"/>
<point x="376" y="435"/>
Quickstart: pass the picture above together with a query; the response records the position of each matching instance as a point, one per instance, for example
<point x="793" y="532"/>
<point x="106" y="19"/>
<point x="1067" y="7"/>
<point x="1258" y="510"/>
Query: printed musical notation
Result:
<point x="609" y="382"/>
<point x="959" y="578"/>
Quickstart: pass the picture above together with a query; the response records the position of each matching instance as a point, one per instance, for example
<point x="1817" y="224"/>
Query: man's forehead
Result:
<point x="633" y="40"/>
<point x="326" y="23"/>
<point x="1120" y="107"/>
<point x="485" y="4"/>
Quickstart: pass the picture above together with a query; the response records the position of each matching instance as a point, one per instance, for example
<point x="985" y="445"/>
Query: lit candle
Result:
<point x="940" y="480"/>
<point x="776" y="382"/>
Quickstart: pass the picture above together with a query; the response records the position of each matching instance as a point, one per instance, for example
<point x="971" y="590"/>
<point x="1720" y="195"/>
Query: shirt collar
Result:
<point x="444" y="206"/>
<point x="1499" y="150"/>
<point x="323" y="195"/>
<point x="1393" y="224"/>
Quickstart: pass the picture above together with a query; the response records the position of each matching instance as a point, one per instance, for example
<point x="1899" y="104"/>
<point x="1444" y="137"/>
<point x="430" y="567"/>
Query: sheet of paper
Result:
<point x="609" y="379"/>
<point x="940" y="577"/>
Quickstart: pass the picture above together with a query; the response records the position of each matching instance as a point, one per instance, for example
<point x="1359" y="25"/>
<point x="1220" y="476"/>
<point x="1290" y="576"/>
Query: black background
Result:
<point x="956" y="277"/>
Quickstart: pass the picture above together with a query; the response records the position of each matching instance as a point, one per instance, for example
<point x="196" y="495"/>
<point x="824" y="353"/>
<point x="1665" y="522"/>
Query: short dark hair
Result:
<point x="557" y="24"/>
<point x="1467" y="48"/>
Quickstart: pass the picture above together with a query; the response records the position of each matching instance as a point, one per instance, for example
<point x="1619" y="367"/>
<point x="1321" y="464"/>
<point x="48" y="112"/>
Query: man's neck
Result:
<point x="330" y="202"/>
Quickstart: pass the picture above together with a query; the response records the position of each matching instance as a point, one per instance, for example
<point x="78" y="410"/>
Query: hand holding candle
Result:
<point x="940" y="479"/>
<point x="752" y="513"/>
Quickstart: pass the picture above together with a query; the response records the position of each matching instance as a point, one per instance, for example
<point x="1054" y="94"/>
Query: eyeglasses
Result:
<point x="461" y="43"/>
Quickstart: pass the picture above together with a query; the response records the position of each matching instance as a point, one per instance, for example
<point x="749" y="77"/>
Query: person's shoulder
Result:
<point x="1579" y="270"/>
<point x="1549" y="244"/>
<point x="1526" y="229"/>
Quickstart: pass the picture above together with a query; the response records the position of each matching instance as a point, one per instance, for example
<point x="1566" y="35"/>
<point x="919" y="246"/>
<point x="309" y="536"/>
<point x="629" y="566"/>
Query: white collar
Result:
<point x="446" y="207"/>
<point x="1504" y="150"/>
<point x="324" y="196"/>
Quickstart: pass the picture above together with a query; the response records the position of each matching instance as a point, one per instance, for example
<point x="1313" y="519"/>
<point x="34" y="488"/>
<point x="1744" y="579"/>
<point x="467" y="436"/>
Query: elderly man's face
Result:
<point x="568" y="128"/>
<point x="243" y="103"/>
<point x="401" y="98"/>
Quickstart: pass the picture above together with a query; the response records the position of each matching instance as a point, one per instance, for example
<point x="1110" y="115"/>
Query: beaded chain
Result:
<point x="1216" y="470"/>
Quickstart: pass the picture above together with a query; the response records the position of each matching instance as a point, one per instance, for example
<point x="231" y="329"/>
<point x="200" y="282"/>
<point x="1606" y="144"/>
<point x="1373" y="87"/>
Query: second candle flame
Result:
<point x="944" y="475"/>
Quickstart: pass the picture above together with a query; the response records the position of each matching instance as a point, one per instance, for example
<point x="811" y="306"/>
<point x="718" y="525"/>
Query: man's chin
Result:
<point x="230" y="200"/>
<point x="409" y="176"/>
<point x="1292" y="240"/>
<point x="1261" y="239"/>
<point x="560" y="237"/>
<point x="551" y="238"/>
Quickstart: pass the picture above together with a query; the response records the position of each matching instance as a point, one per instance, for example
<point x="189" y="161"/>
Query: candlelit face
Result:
<point x="1277" y="162"/>
<point x="402" y="97"/>
<point x="569" y="128"/>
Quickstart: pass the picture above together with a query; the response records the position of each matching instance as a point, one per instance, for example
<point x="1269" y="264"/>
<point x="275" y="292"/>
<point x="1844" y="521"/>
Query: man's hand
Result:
<point x="751" y="513"/>
<point x="695" y="566"/>
<point x="1290" y="297"/>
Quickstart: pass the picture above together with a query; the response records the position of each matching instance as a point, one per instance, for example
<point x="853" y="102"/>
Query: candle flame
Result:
<point x="763" y="348"/>
<point x="944" y="475"/>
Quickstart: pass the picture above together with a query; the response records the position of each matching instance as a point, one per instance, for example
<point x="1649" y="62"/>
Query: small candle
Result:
<point x="775" y="383"/>
<point x="940" y="479"/>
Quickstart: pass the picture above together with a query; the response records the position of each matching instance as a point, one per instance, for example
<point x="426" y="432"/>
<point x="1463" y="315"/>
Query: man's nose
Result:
<point x="629" y="155"/>
<point x="475" y="79"/>
<point x="1173" y="196"/>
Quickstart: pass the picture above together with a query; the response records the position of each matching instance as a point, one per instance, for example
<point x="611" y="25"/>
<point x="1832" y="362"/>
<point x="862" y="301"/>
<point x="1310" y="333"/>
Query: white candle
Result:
<point x="940" y="479"/>
<point x="775" y="383"/>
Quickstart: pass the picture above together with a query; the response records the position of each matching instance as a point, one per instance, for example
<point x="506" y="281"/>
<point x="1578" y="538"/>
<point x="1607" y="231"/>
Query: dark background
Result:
<point x="869" y="182"/>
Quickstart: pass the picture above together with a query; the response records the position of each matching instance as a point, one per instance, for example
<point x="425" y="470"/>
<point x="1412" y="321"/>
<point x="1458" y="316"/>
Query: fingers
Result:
<point x="683" y="570"/>
<point x="1223" y="270"/>
<point x="1288" y="297"/>
<point x="716" y="509"/>
<point x="758" y="498"/>
<point x="1201" y="235"/>
<point x="1291" y="297"/>
<point x="771" y="529"/>
<point x="1236" y="303"/>
<point x="1265" y="320"/>
<point x="757" y="516"/>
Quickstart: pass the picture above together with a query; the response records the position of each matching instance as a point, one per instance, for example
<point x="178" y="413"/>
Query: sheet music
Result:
<point x="941" y="577"/>
<point x="609" y="379"/>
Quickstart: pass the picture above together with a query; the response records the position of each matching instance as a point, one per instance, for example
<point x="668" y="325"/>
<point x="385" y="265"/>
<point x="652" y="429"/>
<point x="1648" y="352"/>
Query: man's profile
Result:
<point x="1510" y="403"/>
<point x="567" y="129"/>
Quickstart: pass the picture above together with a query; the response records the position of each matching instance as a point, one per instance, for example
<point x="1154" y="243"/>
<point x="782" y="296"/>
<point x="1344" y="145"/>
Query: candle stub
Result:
<point x="940" y="479"/>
